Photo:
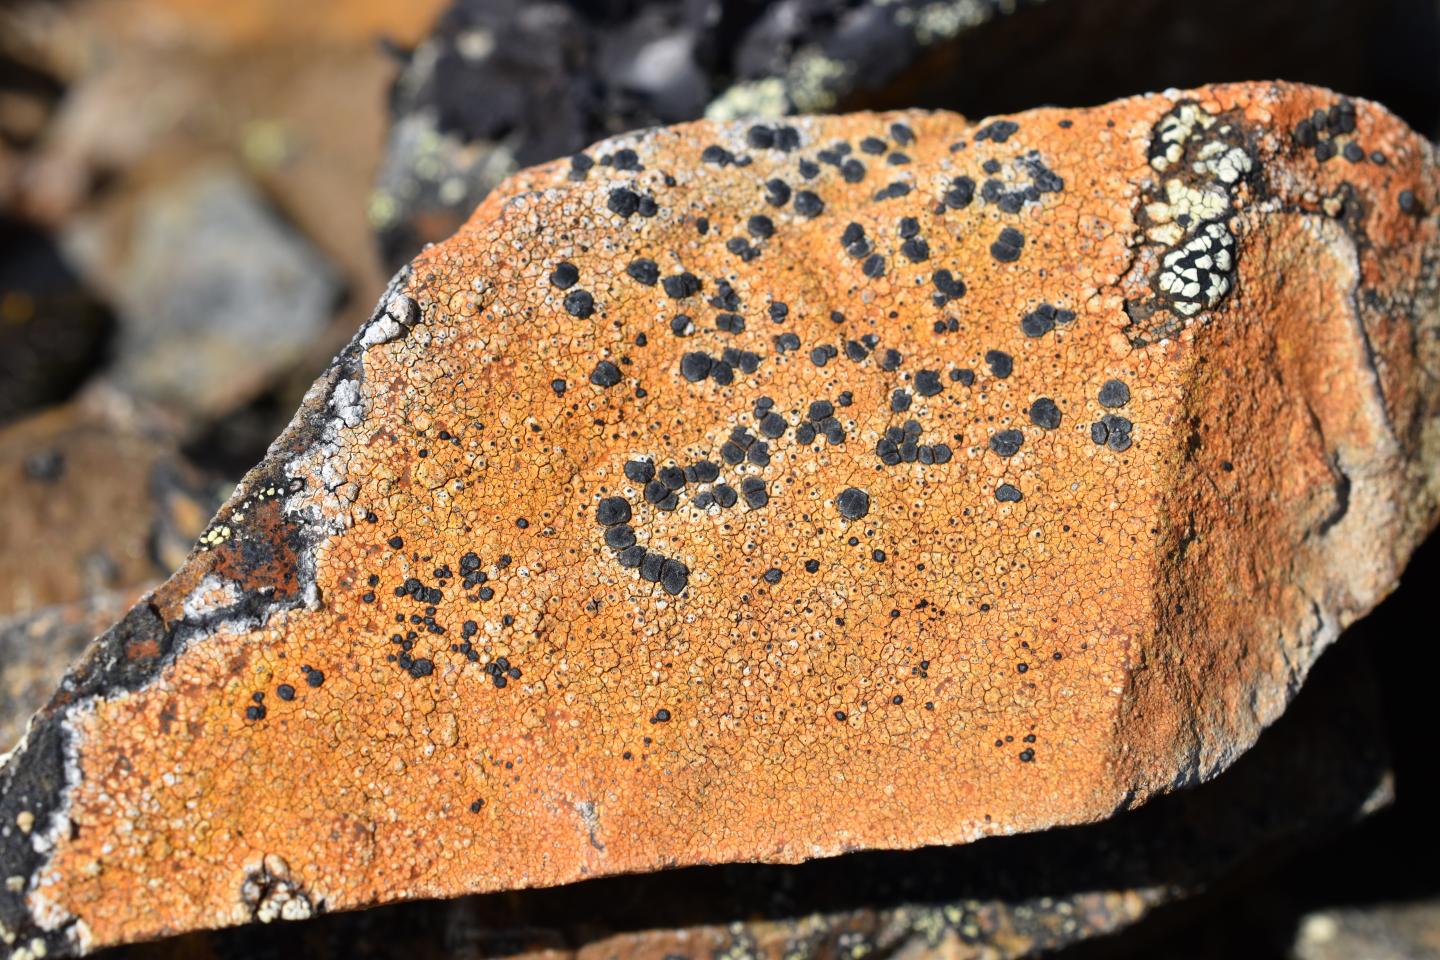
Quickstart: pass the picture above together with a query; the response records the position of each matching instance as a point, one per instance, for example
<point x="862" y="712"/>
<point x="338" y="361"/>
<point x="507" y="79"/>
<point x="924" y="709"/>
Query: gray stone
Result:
<point x="215" y="294"/>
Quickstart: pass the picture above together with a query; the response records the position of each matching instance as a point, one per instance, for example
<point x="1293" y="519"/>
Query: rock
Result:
<point x="560" y="75"/>
<point x="96" y="500"/>
<point x="216" y="295"/>
<point x="1399" y="931"/>
<point x="747" y="670"/>
<point x="295" y="96"/>
<point x="36" y="648"/>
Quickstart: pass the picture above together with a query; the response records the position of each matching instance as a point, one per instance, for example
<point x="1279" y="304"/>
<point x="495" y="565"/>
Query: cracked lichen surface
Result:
<point x="545" y="583"/>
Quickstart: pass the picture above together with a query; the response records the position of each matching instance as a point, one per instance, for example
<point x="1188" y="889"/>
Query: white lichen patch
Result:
<point x="1204" y="160"/>
<point x="211" y="596"/>
<point x="1184" y="207"/>
<point x="1224" y="162"/>
<point x="269" y="894"/>
<point x="1197" y="274"/>
<point x="1174" y="131"/>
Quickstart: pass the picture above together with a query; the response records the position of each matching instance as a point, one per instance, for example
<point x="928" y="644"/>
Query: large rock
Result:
<point x="1004" y="476"/>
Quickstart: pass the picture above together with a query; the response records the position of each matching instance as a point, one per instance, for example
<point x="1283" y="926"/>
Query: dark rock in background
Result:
<point x="503" y="84"/>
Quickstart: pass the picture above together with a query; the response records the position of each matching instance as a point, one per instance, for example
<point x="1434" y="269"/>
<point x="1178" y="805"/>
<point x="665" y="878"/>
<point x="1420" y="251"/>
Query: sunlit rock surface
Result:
<point x="759" y="493"/>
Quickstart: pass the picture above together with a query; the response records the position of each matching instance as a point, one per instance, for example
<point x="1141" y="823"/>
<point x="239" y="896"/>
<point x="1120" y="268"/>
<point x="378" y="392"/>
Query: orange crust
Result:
<point x="955" y="666"/>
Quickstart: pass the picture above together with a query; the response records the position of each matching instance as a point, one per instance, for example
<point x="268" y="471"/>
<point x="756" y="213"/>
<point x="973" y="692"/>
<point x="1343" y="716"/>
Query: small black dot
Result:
<point x="623" y="202"/>
<point x="1044" y="413"/>
<point x="605" y="374"/>
<point x="853" y="503"/>
<point x="808" y="204"/>
<point x="1007" y="443"/>
<point x="644" y="271"/>
<point x="612" y="510"/>
<point x="1008" y="245"/>
<point x="564" y="275"/>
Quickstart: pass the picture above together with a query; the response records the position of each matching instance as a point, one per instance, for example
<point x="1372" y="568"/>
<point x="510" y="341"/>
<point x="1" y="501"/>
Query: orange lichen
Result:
<point x="465" y="682"/>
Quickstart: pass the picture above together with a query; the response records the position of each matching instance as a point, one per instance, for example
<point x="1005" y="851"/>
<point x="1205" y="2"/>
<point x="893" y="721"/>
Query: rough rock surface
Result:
<point x="766" y="492"/>
<point x="1321" y="766"/>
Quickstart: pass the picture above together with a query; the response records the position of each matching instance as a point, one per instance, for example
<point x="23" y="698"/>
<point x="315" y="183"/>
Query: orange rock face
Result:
<point x="761" y="493"/>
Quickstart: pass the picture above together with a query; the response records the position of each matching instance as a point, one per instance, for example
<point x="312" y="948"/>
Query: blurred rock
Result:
<point x="36" y="649"/>
<point x="556" y="76"/>
<point x="93" y="503"/>
<point x="1401" y="931"/>
<point x="53" y="333"/>
<point x="216" y="295"/>
<point x="102" y="102"/>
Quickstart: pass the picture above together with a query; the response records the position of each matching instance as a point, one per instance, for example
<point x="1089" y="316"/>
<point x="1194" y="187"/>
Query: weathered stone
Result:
<point x="216" y="294"/>
<point x="36" y="649"/>
<point x="761" y="664"/>
<point x="95" y="501"/>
